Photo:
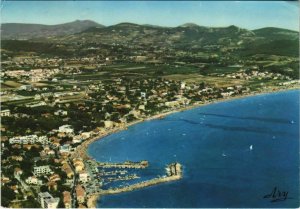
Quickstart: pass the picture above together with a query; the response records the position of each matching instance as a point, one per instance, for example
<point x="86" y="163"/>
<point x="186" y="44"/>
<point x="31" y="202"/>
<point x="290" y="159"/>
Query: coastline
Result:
<point x="82" y="150"/>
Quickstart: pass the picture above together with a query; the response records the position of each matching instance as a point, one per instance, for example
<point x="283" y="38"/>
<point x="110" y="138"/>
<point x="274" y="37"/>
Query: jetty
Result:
<point x="174" y="172"/>
<point x="127" y="164"/>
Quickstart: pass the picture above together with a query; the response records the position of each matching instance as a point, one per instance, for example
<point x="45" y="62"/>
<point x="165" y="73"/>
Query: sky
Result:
<point x="244" y="14"/>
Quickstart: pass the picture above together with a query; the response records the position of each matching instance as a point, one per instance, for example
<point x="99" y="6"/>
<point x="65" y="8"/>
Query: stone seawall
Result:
<point x="141" y="185"/>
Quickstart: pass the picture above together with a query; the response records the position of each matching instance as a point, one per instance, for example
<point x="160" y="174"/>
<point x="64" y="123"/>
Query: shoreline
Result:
<point x="82" y="150"/>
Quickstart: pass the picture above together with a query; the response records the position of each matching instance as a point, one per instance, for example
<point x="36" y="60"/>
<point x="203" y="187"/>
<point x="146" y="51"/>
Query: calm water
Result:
<point x="212" y="143"/>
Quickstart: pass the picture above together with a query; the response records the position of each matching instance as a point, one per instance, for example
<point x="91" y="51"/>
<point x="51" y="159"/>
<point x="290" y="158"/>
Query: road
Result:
<point x="75" y="181"/>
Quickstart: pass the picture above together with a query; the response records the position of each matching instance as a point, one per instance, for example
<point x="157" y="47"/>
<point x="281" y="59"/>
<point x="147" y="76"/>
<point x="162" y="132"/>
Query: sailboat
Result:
<point x="251" y="147"/>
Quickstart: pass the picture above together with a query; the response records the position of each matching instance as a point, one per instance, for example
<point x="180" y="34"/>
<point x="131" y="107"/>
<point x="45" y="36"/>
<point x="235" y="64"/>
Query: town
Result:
<point x="45" y="118"/>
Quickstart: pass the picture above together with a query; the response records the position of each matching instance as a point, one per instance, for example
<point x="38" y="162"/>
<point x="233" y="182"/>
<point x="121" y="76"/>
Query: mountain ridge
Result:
<point x="31" y="31"/>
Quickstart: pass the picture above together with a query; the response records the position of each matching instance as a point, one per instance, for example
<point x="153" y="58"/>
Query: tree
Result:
<point x="30" y="203"/>
<point x="44" y="188"/>
<point x="7" y="195"/>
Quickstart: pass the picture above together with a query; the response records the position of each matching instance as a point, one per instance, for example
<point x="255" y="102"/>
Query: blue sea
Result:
<point x="213" y="143"/>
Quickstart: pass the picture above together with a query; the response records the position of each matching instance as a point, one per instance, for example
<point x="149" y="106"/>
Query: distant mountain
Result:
<point x="187" y="34"/>
<point x="277" y="33"/>
<point x="29" y="31"/>
<point x="131" y="38"/>
<point x="186" y="25"/>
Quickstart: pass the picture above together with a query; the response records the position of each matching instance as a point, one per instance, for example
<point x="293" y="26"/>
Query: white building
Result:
<point x="25" y="87"/>
<point x="66" y="129"/>
<point x="86" y="135"/>
<point x="47" y="201"/>
<point x="143" y="94"/>
<point x="38" y="170"/>
<point x="30" y="139"/>
<point x="43" y="140"/>
<point x="51" y="203"/>
<point x="33" y="180"/>
<point x="36" y="104"/>
<point x="77" y="139"/>
<point x="66" y="148"/>
<point x="4" y="113"/>
<point x="182" y="85"/>
<point x="83" y="176"/>
<point x="61" y="112"/>
<point x="172" y="103"/>
<point x="227" y="94"/>
<point x="108" y="124"/>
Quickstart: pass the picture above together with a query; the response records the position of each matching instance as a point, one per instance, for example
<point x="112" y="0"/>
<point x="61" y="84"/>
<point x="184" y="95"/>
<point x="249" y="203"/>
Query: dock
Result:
<point x="128" y="164"/>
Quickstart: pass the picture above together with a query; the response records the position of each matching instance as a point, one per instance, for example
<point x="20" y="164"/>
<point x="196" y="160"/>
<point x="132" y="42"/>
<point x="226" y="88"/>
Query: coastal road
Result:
<point x="75" y="180"/>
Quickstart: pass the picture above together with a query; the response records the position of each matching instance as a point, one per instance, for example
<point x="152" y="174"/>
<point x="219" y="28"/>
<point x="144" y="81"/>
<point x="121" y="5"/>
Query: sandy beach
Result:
<point x="81" y="150"/>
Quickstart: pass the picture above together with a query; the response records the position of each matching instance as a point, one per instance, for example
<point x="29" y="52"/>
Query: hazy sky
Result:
<point x="245" y="14"/>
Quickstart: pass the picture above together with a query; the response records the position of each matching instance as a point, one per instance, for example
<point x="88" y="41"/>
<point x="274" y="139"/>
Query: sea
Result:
<point x="236" y="153"/>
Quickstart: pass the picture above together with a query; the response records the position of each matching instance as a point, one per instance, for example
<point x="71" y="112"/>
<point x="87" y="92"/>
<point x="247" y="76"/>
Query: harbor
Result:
<point x="173" y="172"/>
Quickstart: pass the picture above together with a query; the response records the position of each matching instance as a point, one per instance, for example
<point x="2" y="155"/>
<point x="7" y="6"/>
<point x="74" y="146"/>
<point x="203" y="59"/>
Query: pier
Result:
<point x="127" y="164"/>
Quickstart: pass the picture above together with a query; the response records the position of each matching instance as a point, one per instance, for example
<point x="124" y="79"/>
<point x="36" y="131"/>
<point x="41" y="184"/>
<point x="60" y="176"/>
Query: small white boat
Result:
<point x="292" y="122"/>
<point x="251" y="147"/>
<point x="223" y="154"/>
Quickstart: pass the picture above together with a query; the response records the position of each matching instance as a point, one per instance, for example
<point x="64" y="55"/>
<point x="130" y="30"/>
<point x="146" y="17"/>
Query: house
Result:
<point x="4" y="180"/>
<point x="40" y="170"/>
<point x="54" y="177"/>
<point x="83" y="176"/>
<point x="67" y="199"/>
<point x="108" y="124"/>
<point x="47" y="201"/>
<point x="182" y="85"/>
<point x="66" y="148"/>
<point x="33" y="180"/>
<point x="66" y="129"/>
<point x="61" y="112"/>
<point x="141" y="107"/>
<point x="18" y="171"/>
<point x="25" y="87"/>
<point x="47" y="152"/>
<point x="80" y="193"/>
<point x="52" y="185"/>
<point x="86" y="135"/>
<point x="171" y="103"/>
<point x="67" y="169"/>
<point x="5" y="113"/>
<point x="17" y="158"/>
<point x="77" y="139"/>
<point x="227" y="94"/>
<point x="78" y="164"/>
<point x="143" y="94"/>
